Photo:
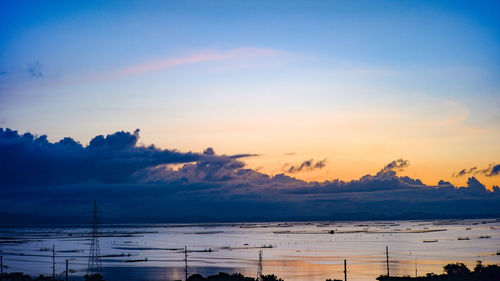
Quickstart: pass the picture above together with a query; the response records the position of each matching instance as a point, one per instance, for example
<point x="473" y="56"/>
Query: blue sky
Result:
<point x="358" y="83"/>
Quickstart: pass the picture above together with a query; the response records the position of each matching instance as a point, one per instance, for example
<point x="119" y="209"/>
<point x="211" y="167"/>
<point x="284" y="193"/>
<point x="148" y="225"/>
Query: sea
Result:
<point x="293" y="251"/>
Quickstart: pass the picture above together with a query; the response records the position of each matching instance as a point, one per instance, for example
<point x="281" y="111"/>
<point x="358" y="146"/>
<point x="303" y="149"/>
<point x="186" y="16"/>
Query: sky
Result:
<point x="314" y="90"/>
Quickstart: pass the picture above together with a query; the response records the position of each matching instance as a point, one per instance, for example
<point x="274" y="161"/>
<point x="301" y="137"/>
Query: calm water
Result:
<point x="292" y="251"/>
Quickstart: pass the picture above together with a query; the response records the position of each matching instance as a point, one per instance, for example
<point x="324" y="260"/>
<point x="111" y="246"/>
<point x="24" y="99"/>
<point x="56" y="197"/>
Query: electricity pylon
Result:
<point x="186" y="262"/>
<point x="94" y="265"/>
<point x="259" y="267"/>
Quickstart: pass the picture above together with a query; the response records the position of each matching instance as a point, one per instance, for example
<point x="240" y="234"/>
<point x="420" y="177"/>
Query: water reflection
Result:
<point x="292" y="251"/>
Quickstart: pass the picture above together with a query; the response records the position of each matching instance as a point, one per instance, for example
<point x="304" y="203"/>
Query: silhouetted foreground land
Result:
<point x="453" y="272"/>
<point x="222" y="276"/>
<point x="19" y="276"/>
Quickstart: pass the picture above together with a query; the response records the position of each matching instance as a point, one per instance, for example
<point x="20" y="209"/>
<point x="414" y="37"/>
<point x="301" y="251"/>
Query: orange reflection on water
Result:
<point x="361" y="268"/>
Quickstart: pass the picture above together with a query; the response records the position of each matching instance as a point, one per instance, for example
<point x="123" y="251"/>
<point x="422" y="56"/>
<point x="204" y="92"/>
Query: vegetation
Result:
<point x="94" y="277"/>
<point x="452" y="272"/>
<point x="222" y="276"/>
<point x="19" y="276"/>
<point x="456" y="272"/>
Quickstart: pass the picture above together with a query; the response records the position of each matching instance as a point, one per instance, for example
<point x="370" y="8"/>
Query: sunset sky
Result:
<point x="352" y="85"/>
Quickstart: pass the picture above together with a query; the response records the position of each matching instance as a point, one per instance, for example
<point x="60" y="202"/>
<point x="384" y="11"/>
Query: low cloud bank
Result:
<point x="28" y="160"/>
<point x="135" y="180"/>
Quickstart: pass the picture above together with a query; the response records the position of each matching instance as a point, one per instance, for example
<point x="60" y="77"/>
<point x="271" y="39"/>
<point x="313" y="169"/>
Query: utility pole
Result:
<point x="259" y="267"/>
<point x="416" y="268"/>
<point x="1" y="267"/>
<point x="94" y="265"/>
<point x="186" y="262"/>
<point x="387" y="259"/>
<point x="345" y="270"/>
<point x="66" y="270"/>
<point x="53" y="261"/>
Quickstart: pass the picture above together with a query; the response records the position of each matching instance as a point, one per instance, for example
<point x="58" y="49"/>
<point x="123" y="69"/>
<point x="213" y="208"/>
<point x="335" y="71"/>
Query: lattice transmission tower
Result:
<point x="94" y="265"/>
<point x="259" y="267"/>
<point x="186" y="262"/>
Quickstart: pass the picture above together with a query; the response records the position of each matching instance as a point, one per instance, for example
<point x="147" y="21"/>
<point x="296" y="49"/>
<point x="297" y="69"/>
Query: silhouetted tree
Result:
<point x="456" y="269"/>
<point x="271" y="277"/>
<point x="454" y="272"/>
<point x="490" y="272"/>
<point x="479" y="267"/>
<point x="222" y="276"/>
<point x="94" y="277"/>
<point x="196" y="277"/>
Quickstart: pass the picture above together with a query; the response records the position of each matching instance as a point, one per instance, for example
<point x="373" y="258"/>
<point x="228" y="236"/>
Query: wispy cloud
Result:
<point x="35" y="70"/>
<point x="464" y="172"/>
<point x="492" y="170"/>
<point x="206" y="56"/>
<point x="307" y="165"/>
<point x="398" y="164"/>
<point x="159" y="64"/>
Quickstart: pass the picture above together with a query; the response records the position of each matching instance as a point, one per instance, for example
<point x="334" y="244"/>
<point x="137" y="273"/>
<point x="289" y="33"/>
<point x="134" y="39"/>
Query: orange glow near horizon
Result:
<point x="355" y="143"/>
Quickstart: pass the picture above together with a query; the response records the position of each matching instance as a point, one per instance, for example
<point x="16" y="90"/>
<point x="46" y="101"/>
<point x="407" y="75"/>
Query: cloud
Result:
<point x="492" y="170"/>
<point x="398" y="164"/>
<point x="236" y="54"/>
<point x="129" y="179"/>
<point x="307" y="165"/>
<point x="208" y="56"/>
<point x="35" y="70"/>
<point x="30" y="160"/>
<point x="115" y="158"/>
<point x="464" y="172"/>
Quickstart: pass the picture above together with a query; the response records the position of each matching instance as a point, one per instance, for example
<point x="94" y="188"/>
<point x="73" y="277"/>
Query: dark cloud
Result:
<point x="464" y="172"/>
<point x="398" y="164"/>
<point x="208" y="168"/>
<point x="443" y="183"/>
<point x="35" y="70"/>
<point x="209" y="151"/>
<point x="30" y="160"/>
<point x="492" y="170"/>
<point x="243" y="155"/>
<point x="130" y="180"/>
<point x="307" y="165"/>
